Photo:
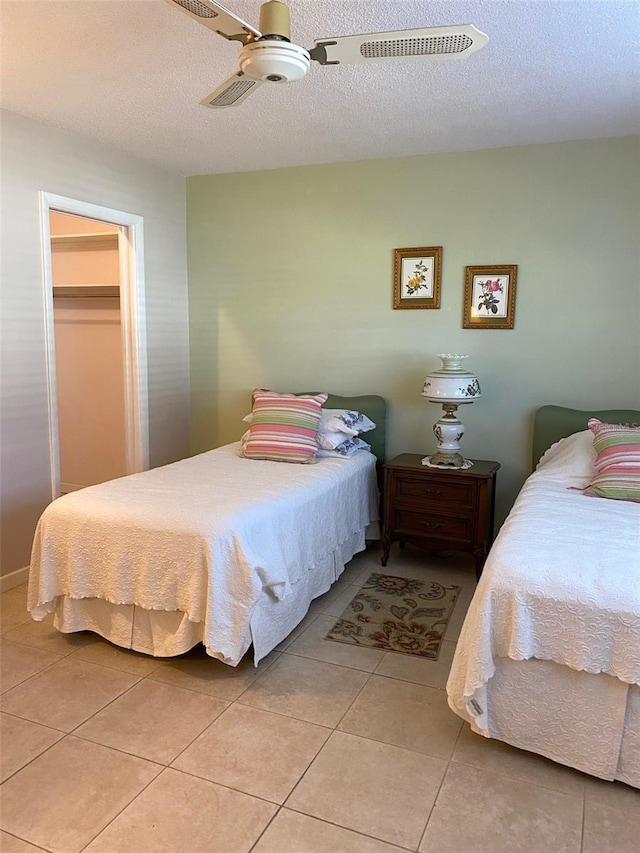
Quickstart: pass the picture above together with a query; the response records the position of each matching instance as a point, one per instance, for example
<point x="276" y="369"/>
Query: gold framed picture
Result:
<point x="416" y="277"/>
<point x="490" y="297"/>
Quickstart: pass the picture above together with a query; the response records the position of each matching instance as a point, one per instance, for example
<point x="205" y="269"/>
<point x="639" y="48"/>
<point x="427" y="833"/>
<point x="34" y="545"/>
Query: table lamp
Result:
<point x="450" y="386"/>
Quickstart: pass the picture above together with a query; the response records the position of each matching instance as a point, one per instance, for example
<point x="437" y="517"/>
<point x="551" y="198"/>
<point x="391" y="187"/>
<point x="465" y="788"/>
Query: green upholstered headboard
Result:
<point x="373" y="407"/>
<point x="555" y="422"/>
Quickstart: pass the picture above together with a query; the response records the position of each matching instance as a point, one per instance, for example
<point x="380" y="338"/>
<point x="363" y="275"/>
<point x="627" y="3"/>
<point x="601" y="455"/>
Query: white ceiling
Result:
<point x="131" y="73"/>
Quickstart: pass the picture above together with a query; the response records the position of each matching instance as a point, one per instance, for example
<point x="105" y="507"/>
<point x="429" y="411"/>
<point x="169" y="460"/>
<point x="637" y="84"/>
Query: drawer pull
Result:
<point x="433" y="491"/>
<point x="432" y="525"/>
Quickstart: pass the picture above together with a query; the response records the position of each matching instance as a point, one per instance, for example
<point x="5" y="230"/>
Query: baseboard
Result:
<point x="12" y="579"/>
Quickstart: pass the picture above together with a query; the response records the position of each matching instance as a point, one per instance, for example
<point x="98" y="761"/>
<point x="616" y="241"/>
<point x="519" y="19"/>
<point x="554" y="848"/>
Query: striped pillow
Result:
<point x="617" y="461"/>
<point x="284" y="427"/>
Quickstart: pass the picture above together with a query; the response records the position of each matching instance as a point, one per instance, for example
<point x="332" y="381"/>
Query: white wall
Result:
<point x="37" y="157"/>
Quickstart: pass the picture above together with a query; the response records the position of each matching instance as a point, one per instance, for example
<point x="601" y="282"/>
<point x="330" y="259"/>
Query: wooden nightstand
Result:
<point x="440" y="508"/>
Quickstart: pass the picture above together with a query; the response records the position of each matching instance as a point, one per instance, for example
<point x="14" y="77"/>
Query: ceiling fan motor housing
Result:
<point x="274" y="61"/>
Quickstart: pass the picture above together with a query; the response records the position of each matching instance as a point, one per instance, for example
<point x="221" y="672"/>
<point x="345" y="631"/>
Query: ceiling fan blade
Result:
<point x="232" y="92"/>
<point x="217" y="18"/>
<point x="426" y="43"/>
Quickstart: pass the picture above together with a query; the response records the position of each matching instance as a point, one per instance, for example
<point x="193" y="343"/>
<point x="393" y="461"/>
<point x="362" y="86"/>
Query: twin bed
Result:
<point x="548" y="659"/>
<point x="215" y="549"/>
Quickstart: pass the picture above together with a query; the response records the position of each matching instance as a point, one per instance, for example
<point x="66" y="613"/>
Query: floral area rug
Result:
<point x="397" y="614"/>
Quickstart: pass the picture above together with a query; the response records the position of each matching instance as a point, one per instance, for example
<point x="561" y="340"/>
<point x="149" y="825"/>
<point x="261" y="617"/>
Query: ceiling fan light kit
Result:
<point x="268" y="55"/>
<point x="274" y="61"/>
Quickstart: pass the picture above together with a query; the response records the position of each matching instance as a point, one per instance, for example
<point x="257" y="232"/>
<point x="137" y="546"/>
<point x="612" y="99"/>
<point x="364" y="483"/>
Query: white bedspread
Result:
<point x="562" y="584"/>
<point x="204" y="536"/>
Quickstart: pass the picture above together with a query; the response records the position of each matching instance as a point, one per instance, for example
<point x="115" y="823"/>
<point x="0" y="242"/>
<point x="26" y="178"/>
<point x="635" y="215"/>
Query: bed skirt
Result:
<point x="589" y="722"/>
<point x="164" y="633"/>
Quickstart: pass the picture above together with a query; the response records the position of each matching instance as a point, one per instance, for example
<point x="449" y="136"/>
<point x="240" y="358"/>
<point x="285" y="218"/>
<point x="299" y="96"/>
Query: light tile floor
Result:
<point x="325" y="748"/>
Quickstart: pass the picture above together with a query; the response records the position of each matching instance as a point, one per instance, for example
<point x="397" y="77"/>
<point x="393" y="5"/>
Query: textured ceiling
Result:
<point x="131" y="73"/>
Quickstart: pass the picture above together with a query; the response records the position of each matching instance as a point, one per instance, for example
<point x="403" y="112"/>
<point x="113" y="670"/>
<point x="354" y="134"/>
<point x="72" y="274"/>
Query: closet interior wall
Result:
<point x="90" y="383"/>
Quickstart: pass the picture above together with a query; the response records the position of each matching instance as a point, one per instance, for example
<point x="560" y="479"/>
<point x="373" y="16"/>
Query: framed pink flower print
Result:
<point x="490" y="297"/>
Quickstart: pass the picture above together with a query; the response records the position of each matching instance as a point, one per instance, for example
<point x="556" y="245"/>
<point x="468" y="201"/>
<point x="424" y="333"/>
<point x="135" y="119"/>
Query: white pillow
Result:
<point x="345" y="450"/>
<point x="346" y="421"/>
<point x="331" y="440"/>
<point x="572" y="456"/>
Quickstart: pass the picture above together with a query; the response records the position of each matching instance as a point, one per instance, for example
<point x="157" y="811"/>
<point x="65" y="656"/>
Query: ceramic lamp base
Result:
<point x="448" y="432"/>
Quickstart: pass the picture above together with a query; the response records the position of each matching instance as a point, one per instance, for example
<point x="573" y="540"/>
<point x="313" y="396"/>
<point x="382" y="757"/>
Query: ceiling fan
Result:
<point x="268" y="55"/>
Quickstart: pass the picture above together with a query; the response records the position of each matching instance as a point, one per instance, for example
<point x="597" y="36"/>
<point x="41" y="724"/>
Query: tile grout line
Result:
<point x="110" y="702"/>
<point x="135" y="755"/>
<point x="290" y="640"/>
<point x="75" y="734"/>
<point x="191" y="742"/>
<point x="72" y="732"/>
<point x="5" y="639"/>
<point x="268" y="824"/>
<point x="238" y="790"/>
<point x="355" y="699"/>
<point x="315" y="817"/>
<point x="25" y="680"/>
<point x="281" y="714"/>
<point x="205" y="692"/>
<point x="333" y="663"/>
<point x="4" y="631"/>
<point x="35" y="757"/>
<point x="126" y="806"/>
<point x="333" y="730"/>
<point x="399" y="845"/>
<point x="35" y="846"/>
<point x="116" y="749"/>
<point x="25" y="720"/>
<point x="503" y="775"/>
<point x="435" y="799"/>
<point x="191" y="775"/>
<point x="112" y="666"/>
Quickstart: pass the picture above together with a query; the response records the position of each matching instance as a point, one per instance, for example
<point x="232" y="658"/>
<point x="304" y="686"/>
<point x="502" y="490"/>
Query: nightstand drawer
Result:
<point x="433" y="526"/>
<point x="436" y="493"/>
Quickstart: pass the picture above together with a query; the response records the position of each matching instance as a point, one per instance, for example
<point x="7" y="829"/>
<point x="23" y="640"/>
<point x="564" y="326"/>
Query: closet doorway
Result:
<point x="95" y="328"/>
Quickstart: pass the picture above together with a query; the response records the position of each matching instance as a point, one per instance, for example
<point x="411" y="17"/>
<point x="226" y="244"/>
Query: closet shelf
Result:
<point x="95" y="240"/>
<point x="84" y="291"/>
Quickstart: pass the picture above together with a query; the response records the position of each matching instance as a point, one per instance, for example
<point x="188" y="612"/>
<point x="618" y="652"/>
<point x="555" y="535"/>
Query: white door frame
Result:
<point x="133" y="320"/>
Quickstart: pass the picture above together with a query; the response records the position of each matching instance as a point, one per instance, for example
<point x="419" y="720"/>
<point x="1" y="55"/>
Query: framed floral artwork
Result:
<point x="416" y="277"/>
<point x="490" y="297"/>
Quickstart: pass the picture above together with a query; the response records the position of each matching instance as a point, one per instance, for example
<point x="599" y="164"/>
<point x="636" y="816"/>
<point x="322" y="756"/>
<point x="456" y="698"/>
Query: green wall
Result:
<point x="290" y="287"/>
